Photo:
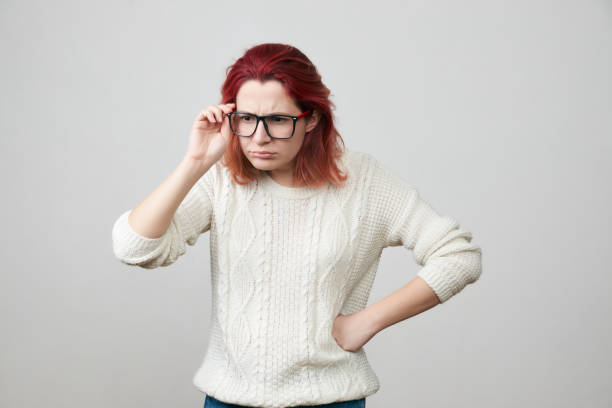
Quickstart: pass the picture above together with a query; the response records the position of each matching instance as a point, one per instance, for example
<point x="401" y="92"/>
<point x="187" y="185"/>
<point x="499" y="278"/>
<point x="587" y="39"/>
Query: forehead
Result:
<point x="264" y="97"/>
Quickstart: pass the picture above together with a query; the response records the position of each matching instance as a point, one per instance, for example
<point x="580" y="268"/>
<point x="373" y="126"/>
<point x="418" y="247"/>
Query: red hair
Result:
<point x="316" y="160"/>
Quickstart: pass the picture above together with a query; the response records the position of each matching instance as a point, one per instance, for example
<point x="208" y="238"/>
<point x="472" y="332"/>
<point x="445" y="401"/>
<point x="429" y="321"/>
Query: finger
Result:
<point x="218" y="113"/>
<point x="202" y="115"/>
<point x="228" y="107"/>
<point x="225" y="130"/>
<point x="210" y="116"/>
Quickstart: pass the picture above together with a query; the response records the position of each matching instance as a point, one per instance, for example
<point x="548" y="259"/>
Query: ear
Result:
<point x="313" y="120"/>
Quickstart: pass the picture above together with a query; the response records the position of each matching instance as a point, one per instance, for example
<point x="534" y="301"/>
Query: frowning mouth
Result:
<point x="263" y="154"/>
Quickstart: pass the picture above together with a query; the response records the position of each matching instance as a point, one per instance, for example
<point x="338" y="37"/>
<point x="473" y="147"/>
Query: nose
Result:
<point x="261" y="136"/>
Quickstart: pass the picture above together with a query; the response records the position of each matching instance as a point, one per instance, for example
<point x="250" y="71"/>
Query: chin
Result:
<point x="264" y="164"/>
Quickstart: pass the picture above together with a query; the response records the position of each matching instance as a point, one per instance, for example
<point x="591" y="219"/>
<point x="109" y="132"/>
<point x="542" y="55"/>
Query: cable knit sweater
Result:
<point x="285" y="261"/>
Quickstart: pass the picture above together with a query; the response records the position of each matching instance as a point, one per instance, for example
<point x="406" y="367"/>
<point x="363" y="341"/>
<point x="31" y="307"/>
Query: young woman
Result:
<point x="297" y="227"/>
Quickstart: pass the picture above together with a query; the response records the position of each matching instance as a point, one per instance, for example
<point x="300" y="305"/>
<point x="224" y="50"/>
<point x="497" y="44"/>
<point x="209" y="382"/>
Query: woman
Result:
<point x="297" y="227"/>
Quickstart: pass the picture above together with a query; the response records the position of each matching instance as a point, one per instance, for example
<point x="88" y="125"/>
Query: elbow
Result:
<point x="132" y="249"/>
<point x="163" y="255"/>
<point x="451" y="274"/>
<point x="475" y="266"/>
<point x="133" y="257"/>
<point x="468" y="265"/>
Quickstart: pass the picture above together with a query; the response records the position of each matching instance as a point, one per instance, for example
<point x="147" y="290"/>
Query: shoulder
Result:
<point x="216" y="176"/>
<point x="376" y="179"/>
<point x="356" y="158"/>
<point x="366" y="169"/>
<point x="358" y="164"/>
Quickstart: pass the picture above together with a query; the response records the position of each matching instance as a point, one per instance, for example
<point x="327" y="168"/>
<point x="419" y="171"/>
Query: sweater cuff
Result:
<point x="441" y="282"/>
<point x="128" y="245"/>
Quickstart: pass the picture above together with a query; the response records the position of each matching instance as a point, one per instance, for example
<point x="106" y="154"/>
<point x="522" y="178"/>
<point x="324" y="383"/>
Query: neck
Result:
<point x="282" y="177"/>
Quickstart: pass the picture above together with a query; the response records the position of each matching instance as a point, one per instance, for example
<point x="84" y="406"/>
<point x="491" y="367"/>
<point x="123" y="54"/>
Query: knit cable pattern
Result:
<point x="285" y="261"/>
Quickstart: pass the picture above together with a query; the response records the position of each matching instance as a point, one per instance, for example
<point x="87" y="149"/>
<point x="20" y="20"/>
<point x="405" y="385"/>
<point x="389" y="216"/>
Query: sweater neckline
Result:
<point x="279" y="190"/>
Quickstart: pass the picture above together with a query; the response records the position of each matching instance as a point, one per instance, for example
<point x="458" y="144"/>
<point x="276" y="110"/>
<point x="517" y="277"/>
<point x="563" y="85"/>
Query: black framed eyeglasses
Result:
<point x="277" y="126"/>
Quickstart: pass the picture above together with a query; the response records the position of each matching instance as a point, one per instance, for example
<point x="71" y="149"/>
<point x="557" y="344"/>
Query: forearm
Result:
<point x="411" y="299"/>
<point x="152" y="217"/>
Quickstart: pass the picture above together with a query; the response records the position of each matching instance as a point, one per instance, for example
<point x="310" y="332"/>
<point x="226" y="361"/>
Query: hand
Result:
<point x="352" y="331"/>
<point x="210" y="134"/>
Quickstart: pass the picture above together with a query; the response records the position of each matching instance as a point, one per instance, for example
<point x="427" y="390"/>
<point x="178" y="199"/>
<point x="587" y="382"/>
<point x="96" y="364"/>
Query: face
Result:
<point x="265" y="98"/>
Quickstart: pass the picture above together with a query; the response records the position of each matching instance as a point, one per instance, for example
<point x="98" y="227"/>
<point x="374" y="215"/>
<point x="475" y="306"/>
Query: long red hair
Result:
<point x="316" y="162"/>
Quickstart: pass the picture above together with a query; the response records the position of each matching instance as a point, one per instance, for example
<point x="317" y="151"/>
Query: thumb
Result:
<point x="226" y="132"/>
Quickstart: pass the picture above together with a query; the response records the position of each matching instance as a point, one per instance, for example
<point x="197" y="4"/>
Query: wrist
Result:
<point x="370" y="320"/>
<point x="194" y="168"/>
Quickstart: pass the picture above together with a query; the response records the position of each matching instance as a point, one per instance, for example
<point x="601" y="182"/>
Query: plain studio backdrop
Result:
<point x="499" y="112"/>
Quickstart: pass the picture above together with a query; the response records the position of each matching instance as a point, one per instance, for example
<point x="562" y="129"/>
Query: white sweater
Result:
<point x="286" y="261"/>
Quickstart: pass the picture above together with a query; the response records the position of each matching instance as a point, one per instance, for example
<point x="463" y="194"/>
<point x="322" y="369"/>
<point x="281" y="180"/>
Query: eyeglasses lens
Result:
<point x="279" y="127"/>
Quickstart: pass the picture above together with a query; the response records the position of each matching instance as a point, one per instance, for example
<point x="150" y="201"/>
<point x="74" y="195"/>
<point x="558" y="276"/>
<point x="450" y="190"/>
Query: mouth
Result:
<point x="263" y="154"/>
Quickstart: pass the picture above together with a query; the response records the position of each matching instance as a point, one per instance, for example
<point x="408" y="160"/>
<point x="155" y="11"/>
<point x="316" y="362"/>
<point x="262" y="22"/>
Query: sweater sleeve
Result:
<point x="192" y="217"/>
<point x="448" y="258"/>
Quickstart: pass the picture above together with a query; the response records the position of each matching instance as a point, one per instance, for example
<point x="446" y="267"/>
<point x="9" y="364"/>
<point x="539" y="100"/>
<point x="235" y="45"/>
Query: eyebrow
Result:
<point x="273" y="113"/>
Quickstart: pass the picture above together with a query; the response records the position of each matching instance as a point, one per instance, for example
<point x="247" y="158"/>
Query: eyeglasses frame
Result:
<point x="294" y="118"/>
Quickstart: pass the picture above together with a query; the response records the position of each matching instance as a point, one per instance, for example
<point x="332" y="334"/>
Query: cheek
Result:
<point x="298" y="140"/>
<point x="243" y="144"/>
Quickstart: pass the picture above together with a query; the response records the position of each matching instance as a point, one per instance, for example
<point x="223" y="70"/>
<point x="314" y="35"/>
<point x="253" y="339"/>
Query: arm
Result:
<point x="152" y="216"/>
<point x="155" y="232"/>
<point x="449" y="259"/>
<point x="409" y="300"/>
<point x="353" y="331"/>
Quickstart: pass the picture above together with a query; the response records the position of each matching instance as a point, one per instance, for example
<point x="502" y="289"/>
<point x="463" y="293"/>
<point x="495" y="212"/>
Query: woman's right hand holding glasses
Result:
<point x="210" y="134"/>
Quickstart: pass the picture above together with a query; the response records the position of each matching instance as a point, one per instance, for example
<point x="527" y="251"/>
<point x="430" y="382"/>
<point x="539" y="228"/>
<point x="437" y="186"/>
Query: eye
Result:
<point x="278" y="119"/>
<point x="245" y="118"/>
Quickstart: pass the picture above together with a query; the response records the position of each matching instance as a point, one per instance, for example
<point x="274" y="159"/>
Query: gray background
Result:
<point x="497" y="111"/>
